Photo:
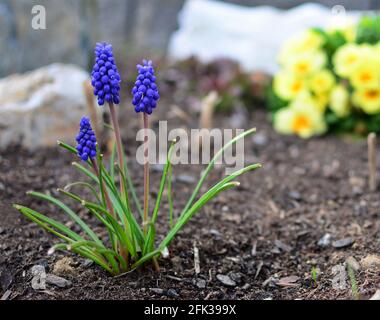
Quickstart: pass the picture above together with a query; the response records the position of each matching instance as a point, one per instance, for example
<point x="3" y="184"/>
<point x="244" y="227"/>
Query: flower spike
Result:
<point x="86" y="140"/>
<point x="145" y="92"/>
<point x="105" y="76"/>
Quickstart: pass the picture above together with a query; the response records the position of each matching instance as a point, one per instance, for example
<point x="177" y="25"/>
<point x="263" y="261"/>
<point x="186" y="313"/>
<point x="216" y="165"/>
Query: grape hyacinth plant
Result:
<point x="131" y="239"/>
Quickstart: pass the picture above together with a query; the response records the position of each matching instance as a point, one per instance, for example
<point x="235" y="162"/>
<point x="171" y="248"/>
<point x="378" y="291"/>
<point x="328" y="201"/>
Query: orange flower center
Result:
<point x="300" y="123"/>
<point x="302" y="67"/>
<point x="296" y="87"/>
<point x="372" y="94"/>
<point x="366" y="76"/>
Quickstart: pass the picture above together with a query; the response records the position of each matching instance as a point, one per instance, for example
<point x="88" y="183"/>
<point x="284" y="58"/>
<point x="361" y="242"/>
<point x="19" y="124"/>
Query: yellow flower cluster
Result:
<point x="306" y="83"/>
<point x="310" y="85"/>
<point x="360" y="65"/>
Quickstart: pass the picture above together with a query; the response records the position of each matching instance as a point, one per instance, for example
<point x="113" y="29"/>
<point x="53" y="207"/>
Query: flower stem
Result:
<point x="106" y="196"/>
<point x="146" y="172"/>
<point x="119" y="248"/>
<point x="116" y="128"/>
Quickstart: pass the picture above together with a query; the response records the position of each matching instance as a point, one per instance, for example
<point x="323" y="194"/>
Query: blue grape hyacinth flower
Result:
<point x="86" y="140"/>
<point x="105" y="76"/>
<point x="145" y="92"/>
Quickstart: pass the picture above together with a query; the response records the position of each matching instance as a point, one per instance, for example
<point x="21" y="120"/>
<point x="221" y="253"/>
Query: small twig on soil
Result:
<point x="197" y="266"/>
<point x="371" y="141"/>
<point x="173" y="278"/>
<point x="178" y="112"/>
<point x="254" y="248"/>
<point x="207" y="111"/>
<point x="6" y="295"/>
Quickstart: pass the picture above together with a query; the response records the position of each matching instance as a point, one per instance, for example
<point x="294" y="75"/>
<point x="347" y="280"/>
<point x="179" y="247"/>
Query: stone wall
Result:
<point x="73" y="26"/>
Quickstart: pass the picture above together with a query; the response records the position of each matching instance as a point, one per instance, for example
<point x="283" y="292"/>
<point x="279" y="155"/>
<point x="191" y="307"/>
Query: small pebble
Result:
<point x="282" y="246"/>
<point x="157" y="290"/>
<point x="226" y="280"/>
<point x="201" y="284"/>
<point x="343" y="243"/>
<point x="57" y="281"/>
<point x="235" y="276"/>
<point x="186" y="178"/>
<point x="87" y="263"/>
<point x="295" y="195"/>
<point x="260" y="139"/>
<point x="172" y="293"/>
<point x="325" y="240"/>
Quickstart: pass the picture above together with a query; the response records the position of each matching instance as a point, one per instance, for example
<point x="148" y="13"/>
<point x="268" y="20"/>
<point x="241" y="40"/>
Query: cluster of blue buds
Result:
<point x="105" y="77"/>
<point x="86" y="140"/>
<point x="145" y="91"/>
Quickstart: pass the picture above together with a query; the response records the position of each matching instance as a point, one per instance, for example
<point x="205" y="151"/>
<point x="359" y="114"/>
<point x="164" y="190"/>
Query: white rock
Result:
<point x="40" y="107"/>
<point x="252" y="36"/>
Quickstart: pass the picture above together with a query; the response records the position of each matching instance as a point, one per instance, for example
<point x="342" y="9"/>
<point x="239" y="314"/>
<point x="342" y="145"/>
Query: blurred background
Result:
<point x="222" y="54"/>
<point x="132" y="26"/>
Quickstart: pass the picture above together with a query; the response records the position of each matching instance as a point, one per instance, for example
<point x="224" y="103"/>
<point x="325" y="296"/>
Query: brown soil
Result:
<point x="307" y="188"/>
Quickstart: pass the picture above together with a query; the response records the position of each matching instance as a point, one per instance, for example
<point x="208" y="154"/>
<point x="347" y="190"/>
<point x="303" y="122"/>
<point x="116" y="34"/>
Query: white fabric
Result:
<point x="252" y="36"/>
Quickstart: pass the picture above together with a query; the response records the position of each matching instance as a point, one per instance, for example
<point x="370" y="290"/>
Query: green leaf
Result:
<point x="70" y="213"/>
<point x="83" y="184"/>
<point x="87" y="172"/>
<point x="211" y="166"/>
<point x="202" y="201"/>
<point x="149" y="242"/>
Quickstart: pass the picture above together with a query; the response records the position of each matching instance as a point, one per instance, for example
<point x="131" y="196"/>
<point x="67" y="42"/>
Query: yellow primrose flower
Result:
<point x="368" y="99"/>
<point x="340" y="101"/>
<point x="304" y="65"/>
<point x="366" y="75"/>
<point x="304" y="122"/>
<point x="347" y="59"/>
<point x="306" y="41"/>
<point x="306" y="99"/>
<point x="322" y="81"/>
<point x="287" y="86"/>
